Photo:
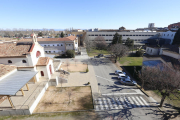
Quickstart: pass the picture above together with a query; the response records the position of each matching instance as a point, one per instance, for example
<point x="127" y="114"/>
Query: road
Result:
<point x="119" y="101"/>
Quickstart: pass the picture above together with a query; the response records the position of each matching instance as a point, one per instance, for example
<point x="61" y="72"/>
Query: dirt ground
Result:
<point x="57" y="99"/>
<point x="74" y="67"/>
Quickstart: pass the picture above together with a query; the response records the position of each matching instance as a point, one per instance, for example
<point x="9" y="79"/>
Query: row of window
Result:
<point x="125" y="40"/>
<point x="168" y="35"/>
<point x="52" y="52"/>
<point x="53" y="45"/>
<point x="23" y="61"/>
<point x="113" y="35"/>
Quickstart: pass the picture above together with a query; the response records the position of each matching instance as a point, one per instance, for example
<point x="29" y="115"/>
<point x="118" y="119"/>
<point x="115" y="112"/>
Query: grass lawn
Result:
<point x="131" y="61"/>
<point x="96" y="52"/>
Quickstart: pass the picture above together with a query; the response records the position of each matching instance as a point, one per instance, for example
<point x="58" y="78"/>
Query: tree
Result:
<point x="118" y="50"/>
<point x="139" y="53"/>
<point x="100" y="43"/>
<point x="62" y="35"/>
<point x="88" y="43"/>
<point x="70" y="53"/>
<point x="40" y="34"/>
<point x="162" y="78"/>
<point x="69" y="94"/>
<point x="67" y="63"/>
<point x="117" y="38"/>
<point x="176" y="40"/>
<point x="129" y="43"/>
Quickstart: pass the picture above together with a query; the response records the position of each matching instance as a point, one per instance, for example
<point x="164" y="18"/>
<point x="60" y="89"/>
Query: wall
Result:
<point x="33" y="57"/>
<point x="52" y="68"/>
<point x="142" y="36"/>
<point x="15" y="61"/>
<point x="170" y="54"/>
<point x="44" y="69"/>
<point x="168" y="35"/>
<point x="152" y="51"/>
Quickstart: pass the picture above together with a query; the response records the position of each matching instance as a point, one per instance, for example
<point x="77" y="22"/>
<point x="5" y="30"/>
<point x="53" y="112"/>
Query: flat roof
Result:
<point x="13" y="83"/>
<point x="152" y="63"/>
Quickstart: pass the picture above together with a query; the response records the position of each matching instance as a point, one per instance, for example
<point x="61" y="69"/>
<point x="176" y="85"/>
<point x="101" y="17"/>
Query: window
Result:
<point x="106" y="40"/>
<point x="123" y="35"/>
<point x="99" y="34"/>
<point x="53" y="45"/>
<point x="69" y="44"/>
<point x="44" y="45"/>
<point x="38" y="53"/>
<point x="168" y="35"/>
<point x="164" y="34"/>
<point x="49" y="51"/>
<point x="57" y="44"/>
<point x="171" y="35"/>
<point x="24" y="61"/>
<point x="61" y="45"/>
<point x="151" y="50"/>
<point x="146" y="35"/>
<point x="147" y="49"/>
<point x="136" y="35"/>
<point x="133" y="35"/>
<point x="127" y="35"/>
<point x="96" y="35"/>
<point x="92" y="35"/>
<point x="46" y="51"/>
<point x="42" y="73"/>
<point x="103" y="35"/>
<point x="130" y="35"/>
<point x="54" y="51"/>
<point x="142" y="35"/>
<point x="9" y="61"/>
<point x="48" y="45"/>
<point x="110" y="35"/>
<point x="107" y="35"/>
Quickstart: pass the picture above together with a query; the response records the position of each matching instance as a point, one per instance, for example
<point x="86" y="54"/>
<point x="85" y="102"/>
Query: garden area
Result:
<point x="131" y="61"/>
<point x="65" y="99"/>
<point x="95" y="52"/>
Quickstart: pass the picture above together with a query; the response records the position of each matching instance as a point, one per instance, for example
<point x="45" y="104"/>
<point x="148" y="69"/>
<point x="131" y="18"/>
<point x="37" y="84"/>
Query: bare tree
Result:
<point x="100" y="43"/>
<point x="118" y="50"/>
<point x="69" y="94"/>
<point x="162" y="78"/>
<point x="67" y="63"/>
<point x="75" y="60"/>
<point x="61" y="82"/>
<point x="89" y="43"/>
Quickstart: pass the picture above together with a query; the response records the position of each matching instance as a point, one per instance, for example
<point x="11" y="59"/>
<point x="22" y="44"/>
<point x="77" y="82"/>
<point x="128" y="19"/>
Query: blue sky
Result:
<point x="85" y="14"/>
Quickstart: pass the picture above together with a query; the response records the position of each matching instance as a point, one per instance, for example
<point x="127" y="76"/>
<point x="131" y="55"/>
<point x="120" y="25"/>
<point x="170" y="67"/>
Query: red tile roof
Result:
<point x="4" y="69"/>
<point x="69" y="38"/>
<point x="14" y="49"/>
<point x="43" y="61"/>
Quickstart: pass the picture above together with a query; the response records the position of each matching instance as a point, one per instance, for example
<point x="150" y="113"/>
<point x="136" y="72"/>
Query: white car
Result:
<point x="121" y="76"/>
<point x="117" y="72"/>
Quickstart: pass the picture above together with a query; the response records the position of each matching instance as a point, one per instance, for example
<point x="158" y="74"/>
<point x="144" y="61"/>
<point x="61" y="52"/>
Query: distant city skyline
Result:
<point x="80" y="14"/>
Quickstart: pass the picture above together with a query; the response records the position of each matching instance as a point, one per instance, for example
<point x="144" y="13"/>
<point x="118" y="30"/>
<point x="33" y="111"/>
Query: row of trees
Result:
<point x="26" y="32"/>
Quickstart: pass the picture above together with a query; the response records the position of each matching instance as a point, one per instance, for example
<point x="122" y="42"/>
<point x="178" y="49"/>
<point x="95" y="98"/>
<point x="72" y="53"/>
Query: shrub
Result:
<point x="139" y="53"/>
<point x="87" y="70"/>
<point x="70" y="53"/>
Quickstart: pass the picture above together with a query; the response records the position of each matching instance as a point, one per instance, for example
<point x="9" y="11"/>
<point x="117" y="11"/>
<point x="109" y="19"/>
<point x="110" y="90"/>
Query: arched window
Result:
<point x="42" y="73"/>
<point x="24" y="61"/>
<point x="38" y="53"/>
<point x="9" y="61"/>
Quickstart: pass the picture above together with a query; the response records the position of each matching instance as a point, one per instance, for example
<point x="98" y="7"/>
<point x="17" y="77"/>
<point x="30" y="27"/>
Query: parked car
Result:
<point x="117" y="72"/>
<point x="127" y="81"/>
<point x="99" y="56"/>
<point x="121" y="76"/>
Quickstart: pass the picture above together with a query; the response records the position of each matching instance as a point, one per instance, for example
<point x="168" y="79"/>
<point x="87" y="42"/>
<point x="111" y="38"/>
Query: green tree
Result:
<point x="40" y="34"/>
<point x="62" y="35"/>
<point x="176" y="40"/>
<point x="139" y="53"/>
<point x="117" y="38"/>
<point x="70" y="53"/>
<point x="129" y="43"/>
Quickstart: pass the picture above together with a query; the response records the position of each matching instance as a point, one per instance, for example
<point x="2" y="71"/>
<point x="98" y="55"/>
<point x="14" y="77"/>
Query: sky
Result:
<point x="86" y="14"/>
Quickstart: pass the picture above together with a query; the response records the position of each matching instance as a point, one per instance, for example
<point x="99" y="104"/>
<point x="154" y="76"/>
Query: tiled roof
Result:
<point x="69" y="38"/>
<point x="4" y="69"/>
<point x="43" y="61"/>
<point x="14" y="49"/>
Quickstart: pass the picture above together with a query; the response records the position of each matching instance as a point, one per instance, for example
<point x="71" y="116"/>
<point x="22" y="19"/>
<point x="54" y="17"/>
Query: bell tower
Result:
<point x="34" y="38"/>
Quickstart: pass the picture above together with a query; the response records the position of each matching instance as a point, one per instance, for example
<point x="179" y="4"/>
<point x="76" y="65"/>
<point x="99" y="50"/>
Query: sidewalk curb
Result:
<point x="142" y="90"/>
